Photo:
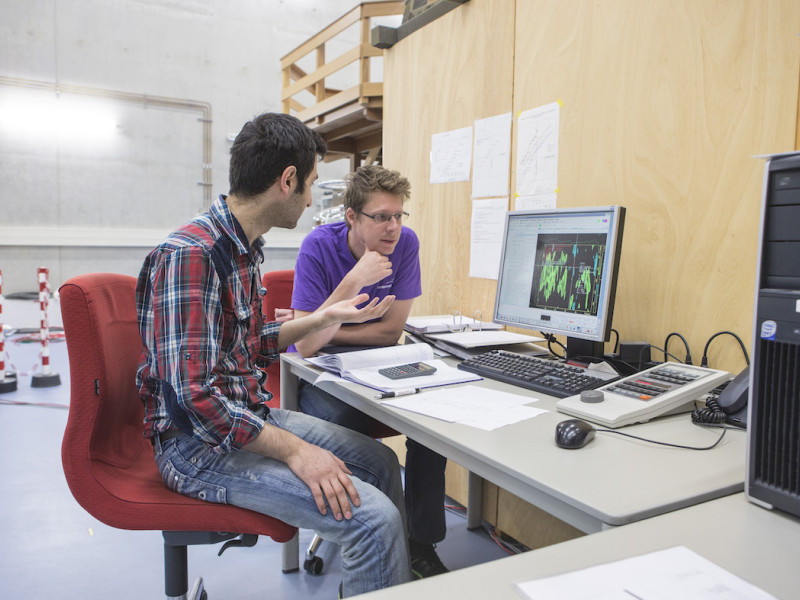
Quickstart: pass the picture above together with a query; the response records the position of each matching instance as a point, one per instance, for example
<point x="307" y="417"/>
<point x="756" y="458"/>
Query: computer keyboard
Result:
<point x="660" y="390"/>
<point x="550" y="377"/>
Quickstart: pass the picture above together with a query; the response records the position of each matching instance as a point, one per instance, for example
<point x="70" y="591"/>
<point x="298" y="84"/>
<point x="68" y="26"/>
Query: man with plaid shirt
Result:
<point x="199" y="299"/>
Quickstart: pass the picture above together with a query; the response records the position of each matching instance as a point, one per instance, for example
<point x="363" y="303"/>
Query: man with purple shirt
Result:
<point x="372" y="253"/>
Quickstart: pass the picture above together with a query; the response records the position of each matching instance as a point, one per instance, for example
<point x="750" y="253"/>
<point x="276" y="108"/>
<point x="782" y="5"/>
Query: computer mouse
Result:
<point x="573" y="434"/>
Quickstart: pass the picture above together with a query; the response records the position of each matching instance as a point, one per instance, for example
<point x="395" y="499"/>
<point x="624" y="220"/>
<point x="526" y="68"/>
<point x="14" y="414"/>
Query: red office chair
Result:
<point x="279" y="286"/>
<point x="107" y="461"/>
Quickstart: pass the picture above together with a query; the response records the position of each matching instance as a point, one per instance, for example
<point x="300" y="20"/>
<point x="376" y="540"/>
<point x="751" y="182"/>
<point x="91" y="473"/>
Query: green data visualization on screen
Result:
<point x="568" y="272"/>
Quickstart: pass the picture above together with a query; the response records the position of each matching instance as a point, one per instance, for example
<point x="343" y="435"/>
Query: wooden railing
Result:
<point x="350" y="119"/>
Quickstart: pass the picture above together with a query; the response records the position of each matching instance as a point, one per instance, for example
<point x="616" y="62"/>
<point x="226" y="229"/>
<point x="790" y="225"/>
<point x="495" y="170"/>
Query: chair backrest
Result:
<point x="104" y="346"/>
<point x="108" y="463"/>
<point x="279" y="286"/>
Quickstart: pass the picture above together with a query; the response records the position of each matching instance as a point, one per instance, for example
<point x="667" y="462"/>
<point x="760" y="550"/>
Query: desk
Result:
<point x="613" y="481"/>
<point x="756" y="544"/>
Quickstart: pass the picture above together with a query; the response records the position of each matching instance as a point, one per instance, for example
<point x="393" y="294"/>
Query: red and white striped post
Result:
<point x="8" y="381"/>
<point x="46" y="378"/>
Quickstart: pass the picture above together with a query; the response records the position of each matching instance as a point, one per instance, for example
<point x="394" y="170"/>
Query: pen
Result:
<point x="407" y="392"/>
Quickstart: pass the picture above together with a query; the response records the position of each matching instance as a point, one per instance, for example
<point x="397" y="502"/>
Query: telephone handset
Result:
<point x="731" y="406"/>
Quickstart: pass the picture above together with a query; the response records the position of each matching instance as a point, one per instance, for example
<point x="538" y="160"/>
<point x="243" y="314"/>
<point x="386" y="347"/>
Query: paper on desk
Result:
<point x="446" y="323"/>
<point x="664" y="575"/>
<point x="469" y="405"/>
<point x="475" y="339"/>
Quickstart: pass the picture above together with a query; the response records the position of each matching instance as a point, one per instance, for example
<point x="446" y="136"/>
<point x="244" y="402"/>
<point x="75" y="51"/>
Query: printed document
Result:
<point x="471" y="405"/>
<point x="486" y="237"/>
<point x="663" y="575"/>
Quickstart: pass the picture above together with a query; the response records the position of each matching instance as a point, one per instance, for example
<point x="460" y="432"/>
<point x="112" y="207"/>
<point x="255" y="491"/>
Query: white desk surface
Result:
<point x="753" y="543"/>
<point x="612" y="481"/>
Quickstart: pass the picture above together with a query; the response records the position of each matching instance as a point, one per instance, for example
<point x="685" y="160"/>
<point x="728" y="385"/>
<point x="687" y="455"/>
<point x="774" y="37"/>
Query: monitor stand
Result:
<point x="577" y="347"/>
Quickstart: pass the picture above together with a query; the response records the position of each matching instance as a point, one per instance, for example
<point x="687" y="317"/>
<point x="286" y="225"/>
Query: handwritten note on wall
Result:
<point x="492" y="152"/>
<point x="451" y="155"/>
<point x="537" y="150"/>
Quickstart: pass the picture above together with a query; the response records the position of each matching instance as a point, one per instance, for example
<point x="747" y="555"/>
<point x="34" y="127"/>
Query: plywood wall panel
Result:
<point x="664" y="106"/>
<point x="443" y="77"/>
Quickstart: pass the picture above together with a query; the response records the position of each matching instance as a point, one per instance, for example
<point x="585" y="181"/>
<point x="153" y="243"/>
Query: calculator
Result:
<point x="416" y="369"/>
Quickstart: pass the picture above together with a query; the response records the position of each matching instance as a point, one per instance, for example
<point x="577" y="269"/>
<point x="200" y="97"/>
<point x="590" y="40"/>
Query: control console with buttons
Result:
<point x="661" y="390"/>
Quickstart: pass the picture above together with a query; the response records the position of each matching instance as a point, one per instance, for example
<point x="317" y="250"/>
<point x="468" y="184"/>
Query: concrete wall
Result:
<point x="117" y="194"/>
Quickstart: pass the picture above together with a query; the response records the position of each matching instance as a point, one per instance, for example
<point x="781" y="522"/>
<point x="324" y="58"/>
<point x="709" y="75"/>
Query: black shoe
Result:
<point x="426" y="563"/>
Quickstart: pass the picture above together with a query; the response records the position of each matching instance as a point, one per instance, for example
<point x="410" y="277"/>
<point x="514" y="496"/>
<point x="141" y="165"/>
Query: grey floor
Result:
<point x="52" y="548"/>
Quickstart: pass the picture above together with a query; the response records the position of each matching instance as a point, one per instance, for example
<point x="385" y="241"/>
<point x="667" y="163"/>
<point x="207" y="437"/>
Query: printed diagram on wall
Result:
<point x="537" y="156"/>
<point x="492" y="156"/>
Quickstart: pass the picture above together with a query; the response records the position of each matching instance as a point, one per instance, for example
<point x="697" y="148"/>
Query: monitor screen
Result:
<point x="558" y="271"/>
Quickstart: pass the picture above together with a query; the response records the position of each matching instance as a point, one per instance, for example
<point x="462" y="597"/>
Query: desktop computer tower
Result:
<point x="773" y="448"/>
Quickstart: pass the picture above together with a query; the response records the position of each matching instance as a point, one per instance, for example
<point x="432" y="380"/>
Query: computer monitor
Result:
<point x="558" y="274"/>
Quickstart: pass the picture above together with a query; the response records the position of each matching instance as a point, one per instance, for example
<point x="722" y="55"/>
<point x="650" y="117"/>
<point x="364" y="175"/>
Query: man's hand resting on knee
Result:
<point x="326" y="476"/>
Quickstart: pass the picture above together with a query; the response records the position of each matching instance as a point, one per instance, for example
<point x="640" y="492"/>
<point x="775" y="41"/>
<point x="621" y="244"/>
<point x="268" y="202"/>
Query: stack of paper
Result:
<point x="480" y="339"/>
<point x="444" y="323"/>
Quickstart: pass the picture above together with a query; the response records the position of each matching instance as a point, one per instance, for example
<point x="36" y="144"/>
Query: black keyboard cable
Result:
<point x="704" y="360"/>
<point x="688" y="359"/>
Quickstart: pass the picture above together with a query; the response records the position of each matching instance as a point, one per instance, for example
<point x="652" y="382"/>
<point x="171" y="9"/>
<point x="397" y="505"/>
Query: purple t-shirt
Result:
<point x="324" y="259"/>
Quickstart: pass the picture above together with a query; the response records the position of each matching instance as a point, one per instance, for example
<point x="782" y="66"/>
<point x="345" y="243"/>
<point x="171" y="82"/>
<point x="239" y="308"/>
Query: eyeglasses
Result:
<point x="382" y="219"/>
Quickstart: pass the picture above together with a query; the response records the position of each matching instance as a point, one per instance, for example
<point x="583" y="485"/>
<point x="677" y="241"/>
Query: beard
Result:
<point x="286" y="214"/>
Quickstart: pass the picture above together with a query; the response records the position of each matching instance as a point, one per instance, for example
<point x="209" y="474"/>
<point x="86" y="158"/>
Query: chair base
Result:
<point x="314" y="564"/>
<point x="176" y="568"/>
<point x="198" y="592"/>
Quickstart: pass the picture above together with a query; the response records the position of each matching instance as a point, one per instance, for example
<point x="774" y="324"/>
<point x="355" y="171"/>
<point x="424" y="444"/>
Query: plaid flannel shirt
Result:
<point x="199" y="300"/>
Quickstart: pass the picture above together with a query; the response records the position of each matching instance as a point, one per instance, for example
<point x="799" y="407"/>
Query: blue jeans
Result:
<point x="373" y="543"/>
<point x="425" y="491"/>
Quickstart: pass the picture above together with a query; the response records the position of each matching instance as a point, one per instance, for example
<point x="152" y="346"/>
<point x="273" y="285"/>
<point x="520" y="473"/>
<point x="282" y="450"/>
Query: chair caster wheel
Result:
<point x="313" y="565"/>
<point x="198" y="591"/>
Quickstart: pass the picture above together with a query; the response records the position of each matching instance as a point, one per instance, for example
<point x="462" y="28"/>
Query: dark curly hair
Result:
<point x="265" y="147"/>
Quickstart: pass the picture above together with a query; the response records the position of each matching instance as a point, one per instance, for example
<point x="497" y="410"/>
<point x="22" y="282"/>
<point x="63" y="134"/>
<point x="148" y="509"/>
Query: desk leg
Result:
<point x="289" y="381"/>
<point x="291" y="553"/>
<point x="474" y="500"/>
<point x="291" y="549"/>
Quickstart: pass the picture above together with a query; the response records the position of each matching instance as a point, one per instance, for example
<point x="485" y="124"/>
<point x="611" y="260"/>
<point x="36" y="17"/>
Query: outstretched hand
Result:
<point x="346" y="311"/>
